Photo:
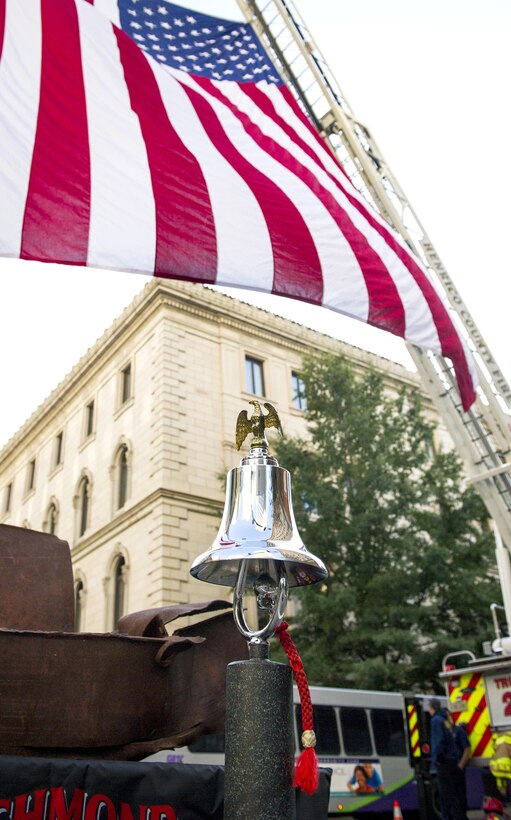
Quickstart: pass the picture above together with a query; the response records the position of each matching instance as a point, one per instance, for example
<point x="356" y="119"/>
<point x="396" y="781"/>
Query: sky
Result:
<point x="430" y="79"/>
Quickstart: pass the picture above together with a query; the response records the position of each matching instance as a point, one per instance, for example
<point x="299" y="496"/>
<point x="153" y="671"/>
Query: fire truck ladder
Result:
<point x="483" y="435"/>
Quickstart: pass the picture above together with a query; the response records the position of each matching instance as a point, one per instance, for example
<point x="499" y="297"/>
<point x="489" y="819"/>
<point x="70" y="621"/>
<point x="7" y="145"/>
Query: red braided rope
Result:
<point x="302" y="683"/>
<point x="307" y="772"/>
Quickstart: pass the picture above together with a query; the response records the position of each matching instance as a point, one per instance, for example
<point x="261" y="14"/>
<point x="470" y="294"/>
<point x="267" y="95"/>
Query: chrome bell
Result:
<point x="258" y="527"/>
<point x="258" y="544"/>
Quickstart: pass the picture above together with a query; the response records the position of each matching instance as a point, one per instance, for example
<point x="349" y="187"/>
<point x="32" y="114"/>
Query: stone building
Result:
<point x="124" y="458"/>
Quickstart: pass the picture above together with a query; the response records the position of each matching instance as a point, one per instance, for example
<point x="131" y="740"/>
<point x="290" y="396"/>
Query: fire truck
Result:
<point x="479" y="695"/>
<point x="479" y="689"/>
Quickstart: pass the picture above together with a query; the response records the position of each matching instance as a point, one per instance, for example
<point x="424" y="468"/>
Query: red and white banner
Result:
<point x="111" y="159"/>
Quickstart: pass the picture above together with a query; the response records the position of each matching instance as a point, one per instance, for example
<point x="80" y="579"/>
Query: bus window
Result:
<point x="389" y="732"/>
<point x="325" y="727"/>
<point x="355" y="731"/>
<point x="214" y="743"/>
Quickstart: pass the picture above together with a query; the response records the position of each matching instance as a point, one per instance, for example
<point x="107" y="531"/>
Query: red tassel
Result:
<point x="307" y="771"/>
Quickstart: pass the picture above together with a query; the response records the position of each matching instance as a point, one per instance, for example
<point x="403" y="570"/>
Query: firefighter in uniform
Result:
<point x="445" y="762"/>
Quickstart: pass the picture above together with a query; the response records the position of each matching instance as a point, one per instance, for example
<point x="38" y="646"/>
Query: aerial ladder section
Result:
<point x="483" y="435"/>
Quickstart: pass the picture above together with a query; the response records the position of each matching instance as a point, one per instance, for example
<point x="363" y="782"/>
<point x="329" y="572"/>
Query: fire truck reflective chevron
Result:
<point x="468" y="704"/>
<point x="413" y="730"/>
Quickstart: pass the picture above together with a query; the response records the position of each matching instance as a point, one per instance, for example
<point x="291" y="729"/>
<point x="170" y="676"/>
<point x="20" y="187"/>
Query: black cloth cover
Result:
<point x="52" y="789"/>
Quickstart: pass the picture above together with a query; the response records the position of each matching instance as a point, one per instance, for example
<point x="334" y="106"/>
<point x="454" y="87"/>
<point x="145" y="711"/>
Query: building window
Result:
<point x="119" y="589"/>
<point x="31" y="475"/>
<point x="254" y="376"/>
<point x="50" y="525"/>
<point x="58" y="449"/>
<point x="122" y="467"/>
<point x="79" y="604"/>
<point x="120" y="474"/>
<point x="6" y="507"/>
<point x="83" y="505"/>
<point x="299" y="400"/>
<point x="125" y="386"/>
<point x="89" y="419"/>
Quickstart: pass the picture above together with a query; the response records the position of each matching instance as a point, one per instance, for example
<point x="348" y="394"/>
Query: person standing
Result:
<point x="463" y="744"/>
<point x="444" y="760"/>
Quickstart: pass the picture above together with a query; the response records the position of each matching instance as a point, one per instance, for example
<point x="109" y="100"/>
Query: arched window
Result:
<point x="119" y="587"/>
<point x="52" y="516"/>
<point x="52" y="520"/>
<point x="83" y="504"/>
<point x="122" y="476"/>
<point x="79" y="604"/>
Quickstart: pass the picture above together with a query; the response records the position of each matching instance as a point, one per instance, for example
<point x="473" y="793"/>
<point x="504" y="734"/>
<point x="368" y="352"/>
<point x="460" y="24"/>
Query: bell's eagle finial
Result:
<point x="257" y="424"/>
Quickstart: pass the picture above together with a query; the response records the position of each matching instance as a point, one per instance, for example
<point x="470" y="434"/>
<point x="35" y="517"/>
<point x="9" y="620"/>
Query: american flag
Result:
<point x="116" y="154"/>
<point x="197" y="43"/>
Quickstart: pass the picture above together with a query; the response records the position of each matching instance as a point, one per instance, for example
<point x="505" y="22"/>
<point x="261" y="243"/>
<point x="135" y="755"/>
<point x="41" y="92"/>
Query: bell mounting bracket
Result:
<point x="271" y="596"/>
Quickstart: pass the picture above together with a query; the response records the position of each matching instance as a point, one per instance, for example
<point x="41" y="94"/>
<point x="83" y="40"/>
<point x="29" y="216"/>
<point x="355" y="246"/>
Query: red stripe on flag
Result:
<point x="450" y="341"/>
<point x="385" y="307"/>
<point x="56" y="221"/>
<point x="185" y="228"/>
<point x="297" y="269"/>
<point x="2" y="24"/>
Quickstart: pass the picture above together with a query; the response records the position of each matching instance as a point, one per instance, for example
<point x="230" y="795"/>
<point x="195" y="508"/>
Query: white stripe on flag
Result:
<point x="20" y="79"/>
<point x="243" y="243"/>
<point x="122" y="223"/>
<point x="110" y="9"/>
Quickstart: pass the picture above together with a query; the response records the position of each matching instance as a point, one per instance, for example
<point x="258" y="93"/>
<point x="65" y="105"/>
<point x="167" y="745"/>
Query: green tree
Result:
<point x="409" y="551"/>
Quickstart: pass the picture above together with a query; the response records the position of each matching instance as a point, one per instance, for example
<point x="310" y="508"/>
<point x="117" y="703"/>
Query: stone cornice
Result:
<point x="210" y="305"/>
<point x="290" y="334"/>
<point x="118" y="525"/>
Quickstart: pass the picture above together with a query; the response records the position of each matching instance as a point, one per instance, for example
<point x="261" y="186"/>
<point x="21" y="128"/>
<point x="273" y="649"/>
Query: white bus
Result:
<point x="357" y="732"/>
